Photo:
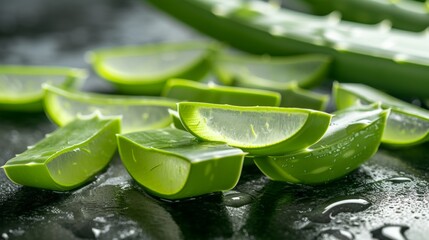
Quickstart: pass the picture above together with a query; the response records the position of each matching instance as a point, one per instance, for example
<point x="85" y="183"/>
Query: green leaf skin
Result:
<point x="137" y="112"/>
<point x="173" y="164"/>
<point x="21" y="86"/>
<point x="407" y="124"/>
<point x="374" y="55"/>
<point x="352" y="138"/>
<point x="272" y="73"/>
<point x="297" y="97"/>
<point x="403" y="14"/>
<point x="163" y="61"/>
<point x="256" y="130"/>
<point x="187" y="90"/>
<point x="67" y="158"/>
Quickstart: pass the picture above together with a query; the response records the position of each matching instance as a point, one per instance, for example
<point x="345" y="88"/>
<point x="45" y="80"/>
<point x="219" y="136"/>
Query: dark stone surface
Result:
<point x="49" y="32"/>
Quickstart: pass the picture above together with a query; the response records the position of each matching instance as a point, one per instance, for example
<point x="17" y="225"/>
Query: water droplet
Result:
<point x="335" y="234"/>
<point x="399" y="179"/>
<point x="326" y="212"/>
<point x="237" y="199"/>
<point x="390" y="232"/>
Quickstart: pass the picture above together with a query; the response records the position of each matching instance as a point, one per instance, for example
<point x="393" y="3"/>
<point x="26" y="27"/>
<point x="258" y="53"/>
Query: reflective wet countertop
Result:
<point x="386" y="198"/>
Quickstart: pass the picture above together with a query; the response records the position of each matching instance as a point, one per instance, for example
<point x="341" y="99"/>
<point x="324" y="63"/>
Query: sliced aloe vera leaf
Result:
<point x="145" y="69"/>
<point x="21" y="86"/>
<point x="352" y="138"/>
<point x="407" y="124"/>
<point x="173" y="164"/>
<point x="177" y="123"/>
<point x="256" y="130"/>
<point x="138" y="113"/>
<point x="67" y="158"/>
<point x="199" y="92"/>
<point x="272" y="73"/>
<point x="294" y="96"/>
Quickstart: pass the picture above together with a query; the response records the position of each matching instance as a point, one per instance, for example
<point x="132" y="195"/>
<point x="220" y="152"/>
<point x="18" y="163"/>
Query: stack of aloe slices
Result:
<point x="296" y="145"/>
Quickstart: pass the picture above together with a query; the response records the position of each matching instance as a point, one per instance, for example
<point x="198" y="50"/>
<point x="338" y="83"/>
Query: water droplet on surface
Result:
<point x="390" y="232"/>
<point x="399" y="179"/>
<point x="326" y="212"/>
<point x="237" y="199"/>
<point x="335" y="234"/>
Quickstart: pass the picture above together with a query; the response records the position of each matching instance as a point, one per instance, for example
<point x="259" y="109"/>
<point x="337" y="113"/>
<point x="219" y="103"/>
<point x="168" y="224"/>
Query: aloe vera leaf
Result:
<point x="373" y="55"/>
<point x="403" y="14"/>
<point x="145" y="69"/>
<point x="199" y="92"/>
<point x="256" y="130"/>
<point x="67" y="158"/>
<point x="272" y="73"/>
<point x="352" y="138"/>
<point x="297" y="97"/>
<point x="21" y="86"/>
<point x="407" y="124"/>
<point x="137" y="112"/>
<point x="173" y="164"/>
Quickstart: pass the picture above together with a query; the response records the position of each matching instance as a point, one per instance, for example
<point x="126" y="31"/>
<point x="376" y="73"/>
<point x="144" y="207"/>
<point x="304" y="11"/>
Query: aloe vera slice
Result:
<point x="137" y="113"/>
<point x="352" y="138"/>
<point x="21" y="86"/>
<point x="257" y="130"/>
<point x="272" y="73"/>
<point x="67" y="158"/>
<point x="374" y="55"/>
<point x="145" y="69"/>
<point x="172" y="164"/>
<point x="295" y="96"/>
<point x="407" y="124"/>
<point x="199" y="92"/>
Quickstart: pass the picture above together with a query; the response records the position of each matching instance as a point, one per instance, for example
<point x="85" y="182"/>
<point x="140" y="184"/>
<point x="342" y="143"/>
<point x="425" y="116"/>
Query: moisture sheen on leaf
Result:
<point x="352" y="138"/>
<point x="173" y="164"/>
<point x="67" y="158"/>
<point x="256" y="130"/>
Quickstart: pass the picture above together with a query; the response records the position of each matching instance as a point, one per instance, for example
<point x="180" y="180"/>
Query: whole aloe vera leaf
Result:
<point x="407" y="124"/>
<point x="352" y="138"/>
<point x="173" y="164"/>
<point x="404" y="14"/>
<point x="373" y="55"/>
<point x="67" y="158"/>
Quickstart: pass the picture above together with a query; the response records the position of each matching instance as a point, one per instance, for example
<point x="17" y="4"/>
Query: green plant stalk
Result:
<point x="393" y="60"/>
<point x="404" y="14"/>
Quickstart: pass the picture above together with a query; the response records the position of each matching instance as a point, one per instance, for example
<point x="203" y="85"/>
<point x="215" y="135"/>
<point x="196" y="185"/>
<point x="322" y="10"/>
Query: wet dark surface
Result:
<point x="387" y="198"/>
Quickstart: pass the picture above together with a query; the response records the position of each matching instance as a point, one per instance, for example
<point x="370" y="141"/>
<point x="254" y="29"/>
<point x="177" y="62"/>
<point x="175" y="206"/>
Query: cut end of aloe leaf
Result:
<point x="137" y="113"/>
<point x="21" y="86"/>
<point x="172" y="164"/>
<point x="145" y="69"/>
<point x="352" y="138"/>
<point x="257" y="130"/>
<point x="68" y="157"/>
<point x="407" y="124"/>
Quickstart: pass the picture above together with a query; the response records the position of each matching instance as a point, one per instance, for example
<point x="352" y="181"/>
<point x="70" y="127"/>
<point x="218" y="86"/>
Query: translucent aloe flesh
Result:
<point x="407" y="124"/>
<point x="137" y="113"/>
<point x="199" y="92"/>
<point x="21" y="86"/>
<point x="257" y="130"/>
<point x="145" y="69"/>
<point x="67" y="158"/>
<point x="375" y="55"/>
<point x="273" y="73"/>
<point x="351" y="139"/>
<point x="173" y="164"/>
<point x="403" y="14"/>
